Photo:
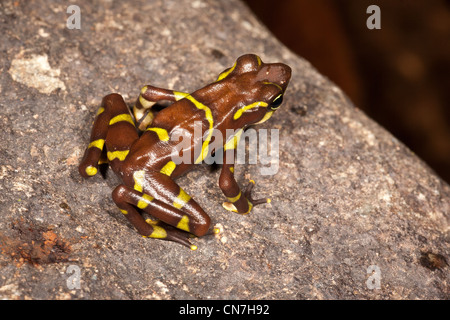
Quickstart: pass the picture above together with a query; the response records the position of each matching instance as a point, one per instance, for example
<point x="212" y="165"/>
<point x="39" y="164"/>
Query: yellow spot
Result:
<point x="138" y="177"/>
<point x="100" y="111"/>
<point x="184" y="223"/>
<point x="162" y="133"/>
<point x="168" y="168"/>
<point x="266" y="117"/>
<point x="232" y="169"/>
<point x="216" y="230"/>
<point x="181" y="200"/>
<point x="239" y="113"/>
<point x="158" y="232"/>
<point x="124" y="211"/>
<point x="97" y="143"/>
<point x="233" y="141"/>
<point x="179" y="95"/>
<point x="194" y="247"/>
<point x="145" y="103"/>
<point x="209" y="117"/>
<point x="252" y="181"/>
<point x="225" y="74"/>
<point x="268" y="200"/>
<point x="234" y="199"/>
<point x="145" y="201"/>
<point x="122" y="117"/>
<point x="121" y="155"/>
<point x="91" y="171"/>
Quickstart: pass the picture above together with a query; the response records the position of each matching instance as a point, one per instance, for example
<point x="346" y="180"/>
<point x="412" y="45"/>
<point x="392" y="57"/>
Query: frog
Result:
<point x="138" y="144"/>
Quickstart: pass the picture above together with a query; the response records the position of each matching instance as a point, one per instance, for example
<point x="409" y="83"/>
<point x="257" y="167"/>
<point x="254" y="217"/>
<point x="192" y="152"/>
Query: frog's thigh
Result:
<point x="189" y="216"/>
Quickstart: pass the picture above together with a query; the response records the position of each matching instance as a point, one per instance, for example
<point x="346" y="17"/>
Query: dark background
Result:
<point x="399" y="75"/>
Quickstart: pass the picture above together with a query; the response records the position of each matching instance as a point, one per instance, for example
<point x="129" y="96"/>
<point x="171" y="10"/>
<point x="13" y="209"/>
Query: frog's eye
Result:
<point x="276" y="102"/>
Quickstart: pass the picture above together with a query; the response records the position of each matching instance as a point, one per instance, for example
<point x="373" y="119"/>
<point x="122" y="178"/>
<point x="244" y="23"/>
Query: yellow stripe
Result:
<point x="231" y="207"/>
<point x="181" y="200"/>
<point x="250" y="206"/>
<point x="275" y="84"/>
<point x="233" y="141"/>
<point x="232" y="169"/>
<point x="259" y="60"/>
<point x="124" y="211"/>
<point x="225" y="74"/>
<point x="102" y="161"/>
<point x="239" y="113"/>
<point x="97" y="143"/>
<point x="144" y="89"/>
<point x="158" y="233"/>
<point x="146" y="103"/>
<point x="162" y="133"/>
<point x="121" y="155"/>
<point x="234" y="199"/>
<point x="168" y="168"/>
<point x="266" y="117"/>
<point x="122" y="117"/>
<point x="209" y="117"/>
<point x="184" y="223"/>
<point x="145" y="201"/>
<point x="152" y="222"/>
<point x="179" y="95"/>
<point x="100" y="110"/>
<point x="138" y="177"/>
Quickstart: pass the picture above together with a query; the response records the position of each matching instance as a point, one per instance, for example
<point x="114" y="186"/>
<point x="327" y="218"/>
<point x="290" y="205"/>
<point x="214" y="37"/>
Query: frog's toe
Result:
<point x="229" y="206"/>
<point x="248" y="195"/>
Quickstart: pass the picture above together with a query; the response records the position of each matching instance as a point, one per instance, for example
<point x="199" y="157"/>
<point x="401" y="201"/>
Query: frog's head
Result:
<point x="260" y="86"/>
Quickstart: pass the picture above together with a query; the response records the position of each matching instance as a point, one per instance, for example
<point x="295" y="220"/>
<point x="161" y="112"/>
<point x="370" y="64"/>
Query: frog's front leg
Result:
<point x="148" y="96"/>
<point x="240" y="202"/>
<point x="162" y="198"/>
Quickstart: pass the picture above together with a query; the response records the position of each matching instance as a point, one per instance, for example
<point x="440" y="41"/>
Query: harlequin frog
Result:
<point x="247" y="93"/>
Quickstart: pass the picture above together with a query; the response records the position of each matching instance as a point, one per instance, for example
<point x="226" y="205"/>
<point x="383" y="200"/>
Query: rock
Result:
<point x="354" y="213"/>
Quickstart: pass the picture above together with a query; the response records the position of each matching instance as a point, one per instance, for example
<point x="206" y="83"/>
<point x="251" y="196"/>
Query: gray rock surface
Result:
<point x="347" y="195"/>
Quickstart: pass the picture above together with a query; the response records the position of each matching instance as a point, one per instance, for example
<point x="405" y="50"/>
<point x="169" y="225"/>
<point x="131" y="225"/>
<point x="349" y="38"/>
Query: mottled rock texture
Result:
<point x="347" y="195"/>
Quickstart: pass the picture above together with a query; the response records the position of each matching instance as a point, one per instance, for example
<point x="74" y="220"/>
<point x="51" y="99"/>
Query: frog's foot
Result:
<point x="169" y="233"/>
<point x="173" y="234"/>
<point x="247" y="194"/>
<point x="251" y="202"/>
<point x="177" y="221"/>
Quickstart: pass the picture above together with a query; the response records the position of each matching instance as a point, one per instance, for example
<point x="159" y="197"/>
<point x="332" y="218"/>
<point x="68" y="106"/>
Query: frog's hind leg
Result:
<point x="177" y="224"/>
<point x="114" y="130"/>
<point x="148" y="96"/>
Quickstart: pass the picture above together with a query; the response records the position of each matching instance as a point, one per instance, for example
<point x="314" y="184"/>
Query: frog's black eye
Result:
<point x="276" y="102"/>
